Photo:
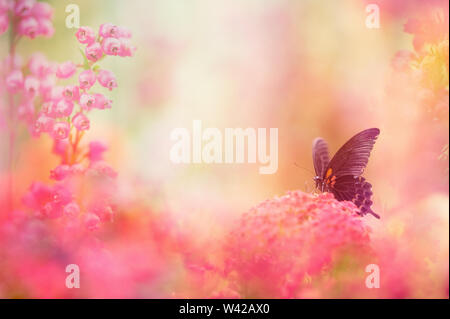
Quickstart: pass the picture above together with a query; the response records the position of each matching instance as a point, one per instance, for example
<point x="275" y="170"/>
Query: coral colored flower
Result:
<point x="63" y="108"/>
<point x="42" y="10"/>
<point x="91" y="221"/>
<point x="31" y="85"/>
<point x="108" y="30"/>
<point x="24" y="8"/>
<point x="60" y="172"/>
<point x="71" y="210"/>
<point x="66" y="70"/>
<point x="282" y="243"/>
<point x="28" y="27"/>
<point x="93" y="52"/>
<point x="87" y="101"/>
<point x="85" y="35"/>
<point x="14" y="81"/>
<point x="107" y="79"/>
<point x="80" y="121"/>
<point x="87" y="79"/>
<point x="60" y="130"/>
<point x="101" y="102"/>
<point x="111" y="46"/>
<point x="96" y="150"/>
<point x="4" y="22"/>
<point x="44" y="123"/>
<point x="71" y="92"/>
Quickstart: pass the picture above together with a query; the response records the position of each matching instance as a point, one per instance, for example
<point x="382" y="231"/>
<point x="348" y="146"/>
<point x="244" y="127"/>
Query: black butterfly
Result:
<point x="342" y="175"/>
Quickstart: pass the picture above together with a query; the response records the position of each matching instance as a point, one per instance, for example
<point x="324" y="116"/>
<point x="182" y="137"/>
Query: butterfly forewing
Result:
<point x="321" y="157"/>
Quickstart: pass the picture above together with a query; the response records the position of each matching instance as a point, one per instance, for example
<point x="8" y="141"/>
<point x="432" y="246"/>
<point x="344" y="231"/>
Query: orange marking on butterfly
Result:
<point x="329" y="171"/>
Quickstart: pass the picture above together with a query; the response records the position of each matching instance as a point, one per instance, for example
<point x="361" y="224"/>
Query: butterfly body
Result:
<point x="342" y="174"/>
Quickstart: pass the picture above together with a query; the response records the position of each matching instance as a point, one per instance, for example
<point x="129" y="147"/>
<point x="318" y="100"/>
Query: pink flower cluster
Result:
<point x="285" y="245"/>
<point x="29" y="18"/>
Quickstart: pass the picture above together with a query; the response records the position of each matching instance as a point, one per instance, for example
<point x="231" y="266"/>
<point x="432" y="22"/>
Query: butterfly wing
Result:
<point x="321" y="157"/>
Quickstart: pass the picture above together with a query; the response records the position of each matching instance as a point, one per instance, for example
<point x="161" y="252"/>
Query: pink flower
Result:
<point x="111" y="46"/>
<point x="60" y="172"/>
<point x="66" y="70"/>
<point x="71" y="210"/>
<point x="60" y="130"/>
<point x="71" y="92"/>
<point x="63" y="108"/>
<point x="31" y="85"/>
<point x="87" y="101"/>
<point x="39" y="66"/>
<point x="126" y="49"/>
<point x="45" y="28"/>
<point x="93" y="52"/>
<point x="108" y="30"/>
<point x="96" y="150"/>
<point x="87" y="79"/>
<point x="60" y="147"/>
<point x="101" y="102"/>
<point x="85" y="35"/>
<point x="44" y="123"/>
<point x="4" y="22"/>
<point x="5" y="6"/>
<point x="80" y="121"/>
<point x="26" y="111"/>
<point x="28" y="27"/>
<point x="107" y="79"/>
<point x="42" y="10"/>
<point x="24" y="8"/>
<point x="124" y="32"/>
<point x="91" y="221"/>
<point x="14" y="81"/>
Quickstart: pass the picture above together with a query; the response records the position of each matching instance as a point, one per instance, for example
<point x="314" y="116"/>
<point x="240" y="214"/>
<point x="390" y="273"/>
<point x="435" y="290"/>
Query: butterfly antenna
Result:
<point x="304" y="169"/>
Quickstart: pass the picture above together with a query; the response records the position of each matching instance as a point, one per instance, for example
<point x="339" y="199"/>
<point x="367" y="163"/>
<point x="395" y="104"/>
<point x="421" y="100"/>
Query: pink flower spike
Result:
<point x="87" y="101"/>
<point x="28" y="27"/>
<point x="71" y="93"/>
<point x="24" y="8"/>
<point x="60" y="172"/>
<point x="71" y="210"/>
<point x="4" y="22"/>
<point x="93" y="52"/>
<point x="85" y="35"/>
<point x="96" y="150"/>
<point x="91" y="221"/>
<point x="60" y="130"/>
<point x="42" y="10"/>
<point x="81" y="122"/>
<point x="101" y="102"/>
<point x="63" y="108"/>
<point x="44" y="123"/>
<point x="87" y="79"/>
<point x="107" y="79"/>
<point x="31" y="85"/>
<point x="108" y="30"/>
<point x="111" y="46"/>
<point x="14" y="81"/>
<point x="66" y="70"/>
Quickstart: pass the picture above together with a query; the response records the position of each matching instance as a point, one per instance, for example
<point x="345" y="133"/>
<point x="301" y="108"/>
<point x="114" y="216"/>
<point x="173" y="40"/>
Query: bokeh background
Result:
<point x="309" y="68"/>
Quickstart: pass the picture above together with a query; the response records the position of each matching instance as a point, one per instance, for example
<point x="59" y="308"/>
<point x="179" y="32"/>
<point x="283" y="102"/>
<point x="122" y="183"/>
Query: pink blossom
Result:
<point x="71" y="92"/>
<point x="44" y="123"/>
<point x="80" y="121"/>
<point x="57" y="93"/>
<point x="71" y="210"/>
<point x="46" y="86"/>
<point x="66" y="70"/>
<point x="124" y="32"/>
<point x="26" y="111"/>
<point x="60" y="147"/>
<point x="108" y="30"/>
<point x="91" y="221"/>
<point x="111" y="46"/>
<point x="45" y="28"/>
<point x="42" y="10"/>
<point x="60" y="130"/>
<point x="39" y="65"/>
<point x="63" y="108"/>
<point x="60" y="172"/>
<point x="5" y="6"/>
<point x="101" y="102"/>
<point x="87" y="101"/>
<point x="87" y="79"/>
<point x="94" y="52"/>
<point x="126" y="49"/>
<point x="85" y="35"/>
<point x="24" y="8"/>
<point x="107" y="79"/>
<point x="96" y="150"/>
<point x="31" y="85"/>
<point x="102" y="168"/>
<point x="14" y="81"/>
<point x="4" y="22"/>
<point x="28" y="27"/>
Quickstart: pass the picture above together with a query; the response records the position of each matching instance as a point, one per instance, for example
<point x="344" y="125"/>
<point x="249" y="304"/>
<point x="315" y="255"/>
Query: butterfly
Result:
<point x="342" y="174"/>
